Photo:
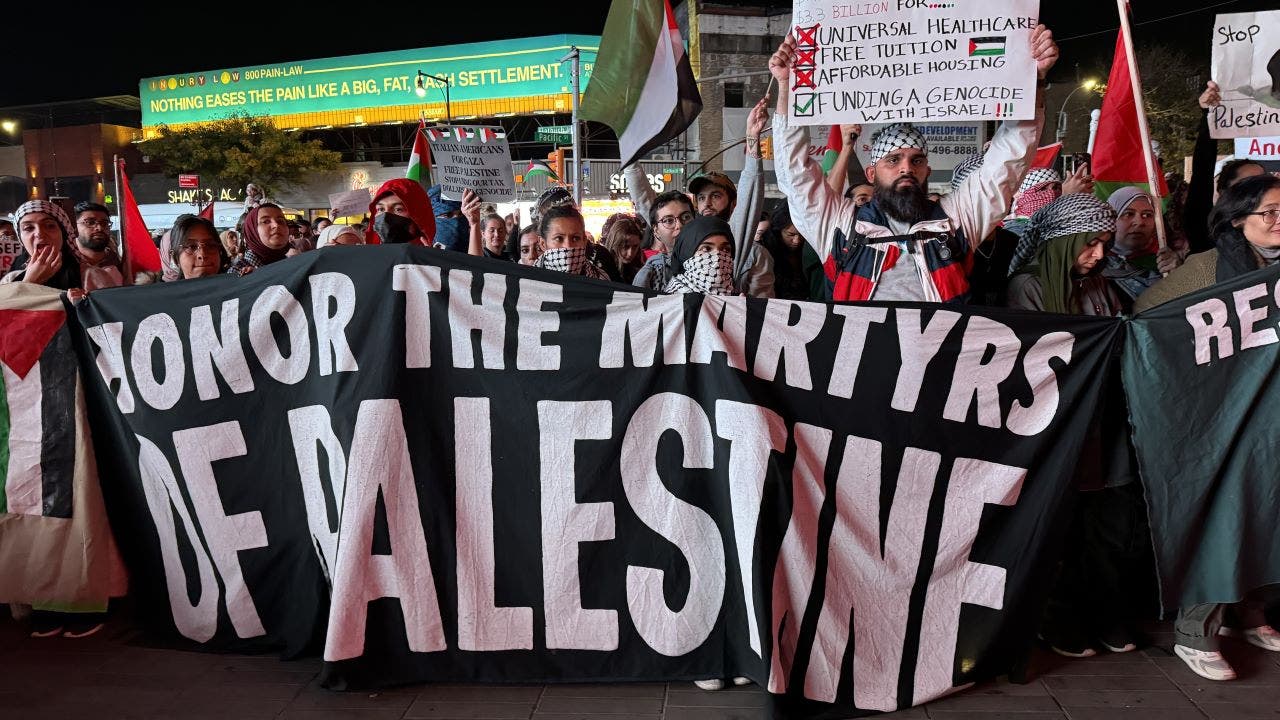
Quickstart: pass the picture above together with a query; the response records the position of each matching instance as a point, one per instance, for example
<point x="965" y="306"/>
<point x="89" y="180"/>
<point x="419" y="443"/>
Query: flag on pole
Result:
<point x="642" y="85"/>
<point x="37" y="403"/>
<point x="835" y="143"/>
<point x="1047" y="156"/>
<point x="1118" y="158"/>
<point x="539" y="168"/>
<point x="420" y="160"/>
<point x="141" y="254"/>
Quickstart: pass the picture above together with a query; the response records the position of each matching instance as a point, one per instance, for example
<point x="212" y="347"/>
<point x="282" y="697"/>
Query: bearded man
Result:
<point x="902" y="246"/>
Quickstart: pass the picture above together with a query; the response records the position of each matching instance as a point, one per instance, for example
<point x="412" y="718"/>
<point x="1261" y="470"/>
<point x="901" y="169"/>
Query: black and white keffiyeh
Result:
<point x="572" y="261"/>
<point x="1069" y="214"/>
<point x="1035" y="176"/>
<point x="50" y="209"/>
<point x="966" y="168"/>
<point x="895" y="137"/>
<point x="709" y="273"/>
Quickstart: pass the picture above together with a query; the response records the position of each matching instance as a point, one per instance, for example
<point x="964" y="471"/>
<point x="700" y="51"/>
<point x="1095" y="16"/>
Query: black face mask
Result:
<point x="394" y="228"/>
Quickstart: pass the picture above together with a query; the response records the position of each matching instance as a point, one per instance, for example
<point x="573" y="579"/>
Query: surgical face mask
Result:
<point x="710" y="273"/>
<point x="393" y="228"/>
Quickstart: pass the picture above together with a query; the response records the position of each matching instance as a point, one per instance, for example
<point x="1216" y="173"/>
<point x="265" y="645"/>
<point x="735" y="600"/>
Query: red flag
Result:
<point x="835" y="143"/>
<point x="140" y="253"/>
<point x="1117" y="151"/>
<point x="206" y="212"/>
<point x="1047" y="156"/>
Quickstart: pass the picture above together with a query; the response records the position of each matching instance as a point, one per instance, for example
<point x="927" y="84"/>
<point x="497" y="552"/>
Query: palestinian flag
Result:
<point x="835" y="143"/>
<point x="538" y="168"/>
<point x="462" y="133"/>
<point x="642" y="85"/>
<point x="37" y="413"/>
<point x="1117" y="155"/>
<point x="488" y="135"/>
<point x="419" y="169"/>
<point x="986" y="46"/>
<point x="436" y="134"/>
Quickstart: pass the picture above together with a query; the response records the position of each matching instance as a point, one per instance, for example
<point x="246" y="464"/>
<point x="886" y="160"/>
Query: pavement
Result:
<point x="110" y="675"/>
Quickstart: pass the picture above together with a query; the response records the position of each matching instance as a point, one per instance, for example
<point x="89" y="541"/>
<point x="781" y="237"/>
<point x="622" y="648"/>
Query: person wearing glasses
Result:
<point x="1244" y="226"/>
<point x="100" y="264"/>
<point x="197" y="249"/>
<point x="668" y="214"/>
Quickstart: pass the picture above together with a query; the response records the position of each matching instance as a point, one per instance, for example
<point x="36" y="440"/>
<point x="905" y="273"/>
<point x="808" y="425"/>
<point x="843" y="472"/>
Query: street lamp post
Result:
<point x="1061" y="131"/>
<point x="421" y="91"/>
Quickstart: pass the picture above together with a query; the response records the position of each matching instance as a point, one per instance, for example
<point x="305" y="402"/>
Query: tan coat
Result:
<point x="1198" y="272"/>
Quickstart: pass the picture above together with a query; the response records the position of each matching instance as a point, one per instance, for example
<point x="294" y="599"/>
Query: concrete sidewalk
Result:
<point x="104" y="677"/>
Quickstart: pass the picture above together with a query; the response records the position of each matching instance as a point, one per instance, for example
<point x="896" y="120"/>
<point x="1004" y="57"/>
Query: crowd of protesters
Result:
<point x="1006" y="234"/>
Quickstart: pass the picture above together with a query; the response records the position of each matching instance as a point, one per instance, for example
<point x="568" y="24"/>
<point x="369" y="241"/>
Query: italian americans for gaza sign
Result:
<point x="916" y="60"/>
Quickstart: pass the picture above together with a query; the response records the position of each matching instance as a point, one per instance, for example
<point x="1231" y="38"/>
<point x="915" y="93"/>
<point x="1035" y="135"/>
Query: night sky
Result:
<point x="104" y="50"/>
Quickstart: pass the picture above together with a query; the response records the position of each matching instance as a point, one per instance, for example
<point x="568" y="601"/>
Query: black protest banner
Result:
<point x="456" y="469"/>
<point x="1200" y="374"/>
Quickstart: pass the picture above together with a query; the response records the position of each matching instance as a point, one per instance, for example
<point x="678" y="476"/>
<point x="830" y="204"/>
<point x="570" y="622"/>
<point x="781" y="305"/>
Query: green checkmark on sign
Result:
<point x="806" y="107"/>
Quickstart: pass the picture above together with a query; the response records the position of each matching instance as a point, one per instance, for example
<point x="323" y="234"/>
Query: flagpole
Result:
<point x="124" y="258"/>
<point x="574" y="55"/>
<point x="1153" y="180"/>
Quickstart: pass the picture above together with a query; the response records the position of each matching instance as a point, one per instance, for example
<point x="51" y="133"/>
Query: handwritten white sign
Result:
<point x="470" y="157"/>
<point x="918" y="60"/>
<point x="349" y="203"/>
<point x="1246" y="66"/>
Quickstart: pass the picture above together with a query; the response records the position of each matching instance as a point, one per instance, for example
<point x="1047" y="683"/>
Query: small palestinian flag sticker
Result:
<point x="487" y="135"/>
<point x="435" y="134"/>
<point x="986" y="46"/>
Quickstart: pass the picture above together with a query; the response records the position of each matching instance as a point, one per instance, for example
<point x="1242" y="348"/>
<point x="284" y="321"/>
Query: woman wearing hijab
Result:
<point x="702" y="259"/>
<point x="266" y="239"/>
<point x="1055" y="266"/>
<point x="1108" y="570"/>
<point x="334" y="235"/>
<point x="797" y="269"/>
<point x="564" y="234"/>
<point x="197" y="249"/>
<point x="1245" y="228"/>
<point x="47" y="257"/>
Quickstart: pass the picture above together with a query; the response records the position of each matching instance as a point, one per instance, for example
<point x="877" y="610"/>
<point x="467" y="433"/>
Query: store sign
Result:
<point x="487" y="71"/>
<point x="182" y="195"/>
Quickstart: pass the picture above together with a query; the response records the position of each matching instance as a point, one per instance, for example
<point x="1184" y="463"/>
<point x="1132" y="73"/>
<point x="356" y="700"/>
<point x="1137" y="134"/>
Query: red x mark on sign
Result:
<point x="807" y="36"/>
<point x="804" y="78"/>
<point x="806" y="57"/>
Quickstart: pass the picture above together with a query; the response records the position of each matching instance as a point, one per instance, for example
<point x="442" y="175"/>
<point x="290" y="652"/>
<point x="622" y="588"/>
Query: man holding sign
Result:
<point x="902" y="246"/>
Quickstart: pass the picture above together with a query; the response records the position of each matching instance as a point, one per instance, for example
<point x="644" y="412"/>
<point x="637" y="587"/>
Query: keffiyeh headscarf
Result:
<point x="1068" y="215"/>
<point x="706" y="273"/>
<point x="895" y="137"/>
<point x="573" y="261"/>
<point x="966" y="168"/>
<point x="709" y="273"/>
<point x="68" y="275"/>
<point x="1037" y="176"/>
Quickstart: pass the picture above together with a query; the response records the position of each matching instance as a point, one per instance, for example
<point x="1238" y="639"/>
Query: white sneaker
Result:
<point x="713" y="684"/>
<point x="747" y="681"/>
<point x="1263" y="636"/>
<point x="1208" y="665"/>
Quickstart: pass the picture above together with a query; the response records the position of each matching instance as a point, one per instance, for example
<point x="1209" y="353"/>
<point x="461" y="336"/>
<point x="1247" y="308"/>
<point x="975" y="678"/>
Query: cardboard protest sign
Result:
<point x="10" y="248"/>
<point x="470" y="157"/>
<point x="1246" y="66"/>
<point x="912" y="60"/>
<point x="352" y="202"/>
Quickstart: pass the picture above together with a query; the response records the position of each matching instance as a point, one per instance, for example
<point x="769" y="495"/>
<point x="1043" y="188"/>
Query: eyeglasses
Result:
<point x="207" y="248"/>
<point x="671" y="220"/>
<point x="90" y="222"/>
<point x="1268" y="216"/>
